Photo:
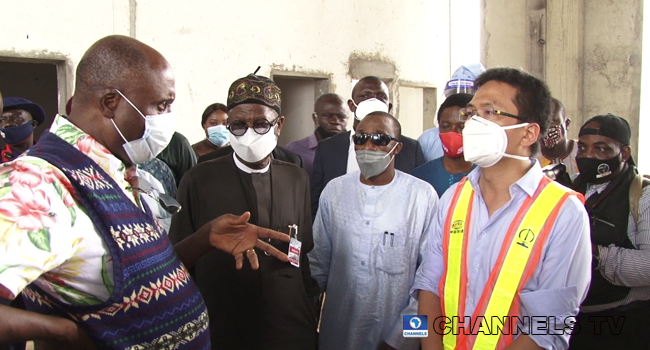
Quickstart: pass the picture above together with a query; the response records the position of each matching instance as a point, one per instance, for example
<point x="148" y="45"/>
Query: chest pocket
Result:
<point x="392" y="253"/>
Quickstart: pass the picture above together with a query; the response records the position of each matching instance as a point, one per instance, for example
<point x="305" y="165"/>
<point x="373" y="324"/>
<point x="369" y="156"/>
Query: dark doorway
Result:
<point x="36" y="82"/>
<point x="298" y="97"/>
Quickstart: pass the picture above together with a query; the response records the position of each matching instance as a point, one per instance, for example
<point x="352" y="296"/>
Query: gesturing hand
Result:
<point x="233" y="234"/>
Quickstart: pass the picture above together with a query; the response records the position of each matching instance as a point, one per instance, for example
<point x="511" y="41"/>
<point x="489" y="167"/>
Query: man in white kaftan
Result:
<point x="369" y="235"/>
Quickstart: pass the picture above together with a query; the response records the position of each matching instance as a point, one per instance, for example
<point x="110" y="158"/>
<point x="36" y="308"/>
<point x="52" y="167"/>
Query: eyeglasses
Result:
<point x="485" y="112"/>
<point x="260" y="125"/>
<point x="167" y="202"/>
<point x="377" y="139"/>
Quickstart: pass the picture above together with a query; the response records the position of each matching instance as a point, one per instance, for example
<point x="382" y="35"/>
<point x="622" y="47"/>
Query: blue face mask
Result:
<point x="16" y="134"/>
<point x="218" y="135"/>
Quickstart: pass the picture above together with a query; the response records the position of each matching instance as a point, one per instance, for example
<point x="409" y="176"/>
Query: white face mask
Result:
<point x="368" y="106"/>
<point x="158" y="132"/>
<point x="485" y="142"/>
<point x="253" y="147"/>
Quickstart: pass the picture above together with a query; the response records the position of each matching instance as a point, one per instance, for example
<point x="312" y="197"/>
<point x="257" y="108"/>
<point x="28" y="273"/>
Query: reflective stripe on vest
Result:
<point x="518" y="257"/>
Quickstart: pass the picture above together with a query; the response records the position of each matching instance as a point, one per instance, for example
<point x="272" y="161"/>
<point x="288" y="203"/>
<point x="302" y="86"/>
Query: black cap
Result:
<point x="611" y="126"/>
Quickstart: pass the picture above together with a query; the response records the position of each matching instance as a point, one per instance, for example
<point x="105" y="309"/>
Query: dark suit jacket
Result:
<point x="179" y="156"/>
<point x="331" y="161"/>
<point x="279" y="153"/>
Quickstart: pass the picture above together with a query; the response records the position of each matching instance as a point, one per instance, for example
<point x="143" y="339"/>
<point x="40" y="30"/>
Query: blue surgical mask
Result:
<point x="218" y="135"/>
<point x="16" y="134"/>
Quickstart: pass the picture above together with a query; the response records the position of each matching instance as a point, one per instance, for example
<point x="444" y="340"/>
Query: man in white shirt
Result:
<point x="369" y="234"/>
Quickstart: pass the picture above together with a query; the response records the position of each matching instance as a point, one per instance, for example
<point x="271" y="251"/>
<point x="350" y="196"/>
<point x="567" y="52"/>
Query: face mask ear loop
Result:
<point x="118" y="130"/>
<point x="392" y="149"/>
<point x="132" y="105"/>
<point x="520" y="125"/>
<point x="393" y="157"/>
<point x="515" y="157"/>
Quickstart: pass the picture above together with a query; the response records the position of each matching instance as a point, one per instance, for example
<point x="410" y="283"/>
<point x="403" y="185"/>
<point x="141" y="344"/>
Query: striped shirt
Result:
<point x="627" y="267"/>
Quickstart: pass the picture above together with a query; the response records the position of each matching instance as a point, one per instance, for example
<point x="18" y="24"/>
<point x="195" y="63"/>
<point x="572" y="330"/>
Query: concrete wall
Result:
<point x="612" y="60"/>
<point x="592" y="52"/>
<point x="210" y="44"/>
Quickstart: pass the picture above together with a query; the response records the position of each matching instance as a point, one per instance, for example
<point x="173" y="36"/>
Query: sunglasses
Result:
<point x="376" y="139"/>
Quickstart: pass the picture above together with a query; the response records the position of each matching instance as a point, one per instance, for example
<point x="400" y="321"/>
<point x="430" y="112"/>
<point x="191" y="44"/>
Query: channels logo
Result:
<point x="415" y="326"/>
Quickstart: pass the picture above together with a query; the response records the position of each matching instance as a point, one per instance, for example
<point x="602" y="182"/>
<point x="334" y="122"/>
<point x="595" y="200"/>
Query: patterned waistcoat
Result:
<point x="154" y="304"/>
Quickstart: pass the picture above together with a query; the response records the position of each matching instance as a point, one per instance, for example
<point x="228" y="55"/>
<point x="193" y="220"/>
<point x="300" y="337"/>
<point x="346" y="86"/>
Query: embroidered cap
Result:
<point x="254" y="89"/>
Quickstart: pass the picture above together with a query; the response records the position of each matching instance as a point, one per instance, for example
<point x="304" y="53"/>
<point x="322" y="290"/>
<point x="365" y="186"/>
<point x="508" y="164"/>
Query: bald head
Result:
<point x="557" y="110"/>
<point x="327" y="98"/>
<point x="365" y="89"/>
<point x="330" y="115"/>
<point x="394" y="128"/>
<point x="370" y="87"/>
<point x="118" y="62"/>
<point x="120" y="81"/>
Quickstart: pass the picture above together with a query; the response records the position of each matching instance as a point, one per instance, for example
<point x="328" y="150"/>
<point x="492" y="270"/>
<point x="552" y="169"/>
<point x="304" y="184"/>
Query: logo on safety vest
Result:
<point x="525" y="236"/>
<point x="457" y="227"/>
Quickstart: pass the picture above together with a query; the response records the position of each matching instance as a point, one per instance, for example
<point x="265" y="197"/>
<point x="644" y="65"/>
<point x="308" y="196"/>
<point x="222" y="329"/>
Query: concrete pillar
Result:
<point x="564" y="58"/>
<point x="612" y="60"/>
<point x="591" y="56"/>
<point x="503" y="38"/>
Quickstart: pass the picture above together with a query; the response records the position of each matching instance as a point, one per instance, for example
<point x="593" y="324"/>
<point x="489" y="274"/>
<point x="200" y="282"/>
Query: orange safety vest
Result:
<point x="518" y="258"/>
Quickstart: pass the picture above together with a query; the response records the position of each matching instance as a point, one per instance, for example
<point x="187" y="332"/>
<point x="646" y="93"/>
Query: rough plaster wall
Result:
<point x="60" y="30"/>
<point x="595" y="67"/>
<point x="411" y="112"/>
<point x="564" y="60"/>
<point x="503" y="37"/>
<point x="211" y="46"/>
<point x="612" y="75"/>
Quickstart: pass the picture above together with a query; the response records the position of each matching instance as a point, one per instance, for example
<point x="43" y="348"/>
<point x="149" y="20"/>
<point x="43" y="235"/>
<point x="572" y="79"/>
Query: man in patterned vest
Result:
<point x="94" y="267"/>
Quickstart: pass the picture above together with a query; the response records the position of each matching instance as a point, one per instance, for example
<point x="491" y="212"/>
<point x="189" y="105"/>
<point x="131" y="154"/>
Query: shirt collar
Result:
<point x="595" y="188"/>
<point x="87" y="145"/>
<point x="527" y="183"/>
<point x="245" y="168"/>
<point x="312" y="141"/>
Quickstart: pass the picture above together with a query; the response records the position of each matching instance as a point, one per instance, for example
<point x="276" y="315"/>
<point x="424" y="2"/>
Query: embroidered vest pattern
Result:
<point x="154" y="304"/>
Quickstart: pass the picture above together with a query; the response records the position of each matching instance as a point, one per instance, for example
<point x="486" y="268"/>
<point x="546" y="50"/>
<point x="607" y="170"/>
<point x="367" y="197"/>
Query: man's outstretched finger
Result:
<point x="267" y="233"/>
<point x="271" y="250"/>
<point x="235" y="220"/>
<point x="239" y="260"/>
<point x="252" y="258"/>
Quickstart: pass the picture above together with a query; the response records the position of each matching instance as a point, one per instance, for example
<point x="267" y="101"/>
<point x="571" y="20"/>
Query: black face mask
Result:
<point x="324" y="134"/>
<point x="598" y="170"/>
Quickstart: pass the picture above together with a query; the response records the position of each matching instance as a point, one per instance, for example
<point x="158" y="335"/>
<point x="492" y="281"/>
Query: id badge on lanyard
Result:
<point x="294" y="246"/>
